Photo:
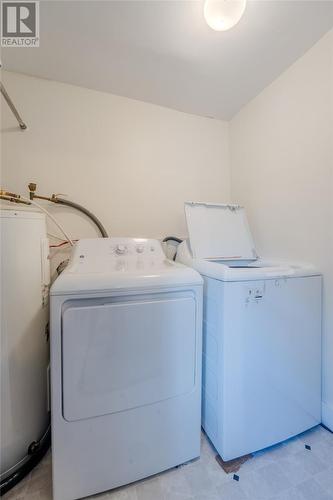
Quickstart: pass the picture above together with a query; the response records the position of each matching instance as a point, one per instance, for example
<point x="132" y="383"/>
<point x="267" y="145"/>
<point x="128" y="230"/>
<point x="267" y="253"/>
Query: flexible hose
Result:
<point x="86" y="212"/>
<point x="172" y="238"/>
<point x="36" y="452"/>
<point x="59" y="226"/>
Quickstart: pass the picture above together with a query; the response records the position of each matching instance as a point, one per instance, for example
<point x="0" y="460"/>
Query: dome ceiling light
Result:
<point x="221" y="15"/>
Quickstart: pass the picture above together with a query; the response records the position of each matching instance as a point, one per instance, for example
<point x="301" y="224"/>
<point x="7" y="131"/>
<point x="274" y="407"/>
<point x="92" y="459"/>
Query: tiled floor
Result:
<point x="287" y="471"/>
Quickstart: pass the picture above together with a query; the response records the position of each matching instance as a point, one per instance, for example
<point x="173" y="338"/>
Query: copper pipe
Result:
<point x="43" y="198"/>
<point x="13" y="199"/>
<point x="32" y="193"/>
<point x="7" y="193"/>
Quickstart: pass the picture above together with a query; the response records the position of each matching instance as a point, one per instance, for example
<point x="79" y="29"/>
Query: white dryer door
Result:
<point x="123" y="355"/>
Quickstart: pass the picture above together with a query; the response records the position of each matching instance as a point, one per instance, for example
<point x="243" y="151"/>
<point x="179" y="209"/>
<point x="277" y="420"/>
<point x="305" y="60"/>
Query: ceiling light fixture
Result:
<point x="221" y="15"/>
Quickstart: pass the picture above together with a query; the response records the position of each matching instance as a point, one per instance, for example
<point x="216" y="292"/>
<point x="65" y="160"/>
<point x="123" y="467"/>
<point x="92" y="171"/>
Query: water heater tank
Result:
<point x="25" y="279"/>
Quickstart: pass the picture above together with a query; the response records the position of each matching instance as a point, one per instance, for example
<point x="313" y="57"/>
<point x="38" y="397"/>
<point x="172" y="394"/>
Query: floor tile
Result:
<point x="312" y="490"/>
<point x="198" y="479"/>
<point x="151" y="490"/>
<point x="291" y="494"/>
<point x="265" y="482"/>
<point x="325" y="479"/>
<point x="310" y="461"/>
<point x="295" y="470"/>
<point x="231" y="490"/>
<point x="126" y="493"/>
<point x="324" y="451"/>
<point x="174" y="483"/>
<point x="284" y="472"/>
<point x="316" y="435"/>
<point x="204" y="496"/>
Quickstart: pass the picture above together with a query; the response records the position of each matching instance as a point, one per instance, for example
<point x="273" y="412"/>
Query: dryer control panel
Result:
<point x="117" y="254"/>
<point x="133" y="246"/>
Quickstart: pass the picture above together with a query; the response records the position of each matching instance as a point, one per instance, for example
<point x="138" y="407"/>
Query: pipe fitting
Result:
<point x="55" y="199"/>
<point x="32" y="189"/>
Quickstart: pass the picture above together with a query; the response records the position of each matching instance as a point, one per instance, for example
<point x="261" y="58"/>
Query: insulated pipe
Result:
<point x="84" y="211"/>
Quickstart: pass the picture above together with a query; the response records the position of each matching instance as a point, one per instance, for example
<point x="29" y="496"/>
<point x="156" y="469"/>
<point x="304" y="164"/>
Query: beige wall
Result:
<point x="282" y="171"/>
<point x="133" y="164"/>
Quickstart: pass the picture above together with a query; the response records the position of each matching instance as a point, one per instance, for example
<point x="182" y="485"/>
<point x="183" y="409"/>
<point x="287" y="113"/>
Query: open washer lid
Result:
<point x="219" y="231"/>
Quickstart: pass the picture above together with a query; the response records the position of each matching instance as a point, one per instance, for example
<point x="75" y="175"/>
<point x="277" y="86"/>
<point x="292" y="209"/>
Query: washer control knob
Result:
<point x="121" y="249"/>
<point x="140" y="249"/>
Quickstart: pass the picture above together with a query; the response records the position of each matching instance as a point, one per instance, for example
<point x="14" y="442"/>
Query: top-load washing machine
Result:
<point x="126" y="352"/>
<point x="261" y="335"/>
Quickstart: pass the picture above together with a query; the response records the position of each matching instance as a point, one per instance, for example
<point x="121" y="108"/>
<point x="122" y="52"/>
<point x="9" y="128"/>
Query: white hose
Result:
<point x="55" y="236"/>
<point x="50" y="216"/>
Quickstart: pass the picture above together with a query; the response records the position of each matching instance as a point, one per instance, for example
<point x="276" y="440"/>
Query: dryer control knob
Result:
<point x="140" y="249"/>
<point x="121" y="249"/>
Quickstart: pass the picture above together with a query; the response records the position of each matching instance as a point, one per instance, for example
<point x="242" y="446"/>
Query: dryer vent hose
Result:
<point x="176" y="240"/>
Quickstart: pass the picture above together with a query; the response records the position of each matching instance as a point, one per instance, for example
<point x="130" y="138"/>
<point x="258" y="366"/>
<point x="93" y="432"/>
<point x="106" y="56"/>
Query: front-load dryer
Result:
<point x="125" y="366"/>
<point x="261" y="335"/>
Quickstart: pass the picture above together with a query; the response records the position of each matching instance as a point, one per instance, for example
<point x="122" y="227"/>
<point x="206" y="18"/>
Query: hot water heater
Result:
<point x="25" y="278"/>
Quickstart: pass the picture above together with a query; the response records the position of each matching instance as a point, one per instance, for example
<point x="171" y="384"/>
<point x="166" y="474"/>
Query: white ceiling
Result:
<point x="163" y="52"/>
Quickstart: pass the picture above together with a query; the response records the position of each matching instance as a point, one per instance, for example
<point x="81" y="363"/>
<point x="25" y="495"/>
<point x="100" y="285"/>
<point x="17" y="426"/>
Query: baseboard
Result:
<point x="327" y="415"/>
